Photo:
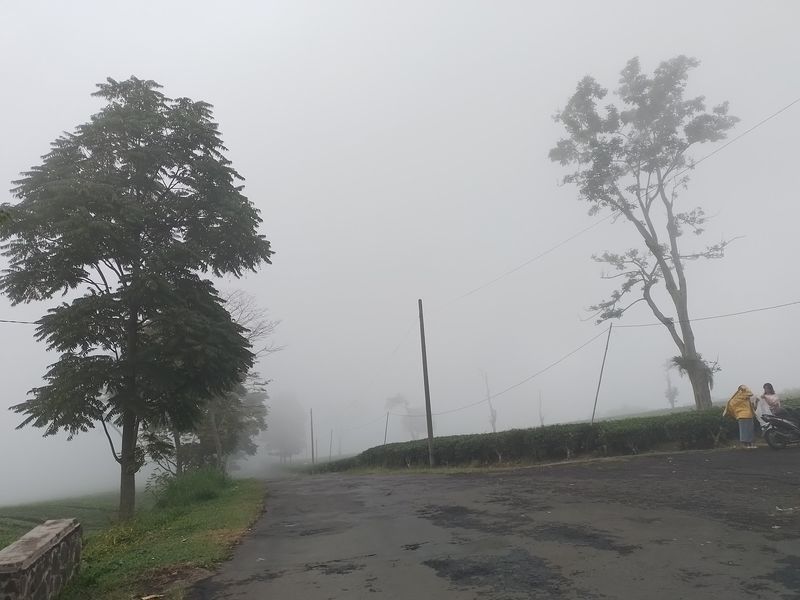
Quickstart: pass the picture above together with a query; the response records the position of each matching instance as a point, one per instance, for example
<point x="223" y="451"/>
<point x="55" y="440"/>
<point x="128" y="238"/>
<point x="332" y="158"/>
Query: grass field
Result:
<point x="160" y="550"/>
<point x="94" y="512"/>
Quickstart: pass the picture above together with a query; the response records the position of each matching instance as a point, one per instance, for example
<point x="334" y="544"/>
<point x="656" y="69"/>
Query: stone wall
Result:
<point x="39" y="564"/>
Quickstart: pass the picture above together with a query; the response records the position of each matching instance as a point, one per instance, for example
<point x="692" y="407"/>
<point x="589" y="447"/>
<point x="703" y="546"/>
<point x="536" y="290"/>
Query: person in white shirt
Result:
<point x="767" y="403"/>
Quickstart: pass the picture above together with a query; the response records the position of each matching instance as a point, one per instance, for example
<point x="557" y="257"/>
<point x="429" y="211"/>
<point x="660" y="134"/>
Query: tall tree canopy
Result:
<point x="129" y="215"/>
<point x="632" y="159"/>
<point x="229" y="423"/>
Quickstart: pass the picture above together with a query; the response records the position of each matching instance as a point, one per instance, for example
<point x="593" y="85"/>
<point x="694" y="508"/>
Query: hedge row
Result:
<point x="683" y="430"/>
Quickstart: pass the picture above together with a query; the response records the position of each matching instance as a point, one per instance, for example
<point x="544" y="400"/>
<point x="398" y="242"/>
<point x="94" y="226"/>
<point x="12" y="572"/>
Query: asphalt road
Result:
<point x="723" y="524"/>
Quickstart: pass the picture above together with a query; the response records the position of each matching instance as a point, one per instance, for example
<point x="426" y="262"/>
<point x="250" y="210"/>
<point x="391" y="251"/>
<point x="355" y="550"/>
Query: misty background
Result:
<point x="398" y="150"/>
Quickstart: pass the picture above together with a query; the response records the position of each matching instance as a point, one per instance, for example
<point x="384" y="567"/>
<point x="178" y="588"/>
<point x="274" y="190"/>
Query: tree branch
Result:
<point x="103" y="277"/>
<point x="666" y="321"/>
<point x="92" y="283"/>
<point x="110" y="441"/>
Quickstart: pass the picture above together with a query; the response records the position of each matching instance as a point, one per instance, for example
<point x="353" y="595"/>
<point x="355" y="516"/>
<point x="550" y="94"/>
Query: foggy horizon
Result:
<point x="400" y="151"/>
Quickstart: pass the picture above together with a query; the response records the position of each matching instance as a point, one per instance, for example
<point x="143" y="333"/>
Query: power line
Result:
<point x="530" y="260"/>
<point x="711" y="317"/>
<point x="516" y="385"/>
<point x="371" y="422"/>
<point x="737" y="138"/>
<point x="18" y="322"/>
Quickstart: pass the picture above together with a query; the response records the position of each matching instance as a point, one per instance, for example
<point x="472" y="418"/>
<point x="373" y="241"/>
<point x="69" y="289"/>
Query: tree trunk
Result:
<point x="696" y="369"/>
<point x="701" y="386"/>
<point x="130" y="423"/>
<point x="217" y="440"/>
<point x="176" y="440"/>
<point x="128" y="465"/>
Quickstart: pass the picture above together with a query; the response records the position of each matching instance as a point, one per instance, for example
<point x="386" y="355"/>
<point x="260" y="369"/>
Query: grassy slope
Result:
<point x="94" y="512"/>
<point x="122" y="560"/>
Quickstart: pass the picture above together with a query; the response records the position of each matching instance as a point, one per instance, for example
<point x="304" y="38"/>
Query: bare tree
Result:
<point x="413" y="419"/>
<point x="631" y="161"/>
<point x="246" y="312"/>
<point x="671" y="393"/>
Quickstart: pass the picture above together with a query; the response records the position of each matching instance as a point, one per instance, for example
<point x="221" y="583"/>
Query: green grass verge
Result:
<point x="146" y="553"/>
<point x="192" y="526"/>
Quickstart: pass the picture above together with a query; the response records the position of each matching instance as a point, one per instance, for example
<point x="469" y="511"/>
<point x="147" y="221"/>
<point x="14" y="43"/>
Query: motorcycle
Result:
<point x="782" y="429"/>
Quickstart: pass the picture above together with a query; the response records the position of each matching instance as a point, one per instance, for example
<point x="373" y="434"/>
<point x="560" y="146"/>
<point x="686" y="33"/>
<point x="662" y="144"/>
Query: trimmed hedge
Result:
<point x="682" y="430"/>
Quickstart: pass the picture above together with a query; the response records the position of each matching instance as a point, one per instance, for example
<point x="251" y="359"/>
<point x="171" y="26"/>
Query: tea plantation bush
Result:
<point x="684" y="430"/>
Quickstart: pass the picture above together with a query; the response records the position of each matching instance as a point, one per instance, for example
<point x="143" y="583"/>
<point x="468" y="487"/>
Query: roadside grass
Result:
<point x="191" y="527"/>
<point x="173" y="539"/>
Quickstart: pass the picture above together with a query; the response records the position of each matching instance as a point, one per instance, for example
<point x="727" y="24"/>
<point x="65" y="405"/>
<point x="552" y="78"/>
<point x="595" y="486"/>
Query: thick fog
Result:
<point x="398" y="150"/>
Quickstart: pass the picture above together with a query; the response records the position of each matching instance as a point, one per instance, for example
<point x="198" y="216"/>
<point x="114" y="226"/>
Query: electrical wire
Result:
<point x="514" y="386"/>
<point x="711" y="317"/>
<point x="736" y="139"/>
<point x="362" y="425"/>
<point x="529" y="261"/>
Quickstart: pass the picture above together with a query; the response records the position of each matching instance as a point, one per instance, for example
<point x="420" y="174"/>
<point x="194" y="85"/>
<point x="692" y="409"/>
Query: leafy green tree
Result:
<point x="631" y="160"/>
<point x="129" y="215"/>
<point x="230" y="421"/>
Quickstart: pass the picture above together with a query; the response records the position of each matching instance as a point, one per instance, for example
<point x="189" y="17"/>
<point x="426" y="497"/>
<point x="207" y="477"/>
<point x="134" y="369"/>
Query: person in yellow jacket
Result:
<point x="740" y="407"/>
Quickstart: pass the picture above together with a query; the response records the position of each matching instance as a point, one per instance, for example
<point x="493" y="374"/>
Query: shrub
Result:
<point x="191" y="487"/>
<point x="684" y="430"/>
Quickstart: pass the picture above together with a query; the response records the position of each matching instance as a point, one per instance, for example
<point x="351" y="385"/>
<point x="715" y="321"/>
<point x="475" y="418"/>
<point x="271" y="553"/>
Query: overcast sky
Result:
<point x="398" y="150"/>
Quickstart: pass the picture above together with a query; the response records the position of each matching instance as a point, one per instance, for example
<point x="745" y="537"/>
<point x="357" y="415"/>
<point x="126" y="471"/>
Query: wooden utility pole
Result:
<point x="386" y="429"/>
<point x="431" y="461"/>
<point x="602" y="368"/>
<point x="313" y="455"/>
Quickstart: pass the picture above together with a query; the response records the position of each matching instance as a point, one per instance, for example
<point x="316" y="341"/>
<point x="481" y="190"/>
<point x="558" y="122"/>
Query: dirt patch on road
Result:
<point x="466" y="518"/>
<point x="583" y="536"/>
<point x="517" y="574"/>
<point x="335" y="567"/>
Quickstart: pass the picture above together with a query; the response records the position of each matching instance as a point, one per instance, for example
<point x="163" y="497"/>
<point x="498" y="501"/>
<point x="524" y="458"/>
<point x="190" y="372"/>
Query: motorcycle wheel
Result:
<point x="775" y="439"/>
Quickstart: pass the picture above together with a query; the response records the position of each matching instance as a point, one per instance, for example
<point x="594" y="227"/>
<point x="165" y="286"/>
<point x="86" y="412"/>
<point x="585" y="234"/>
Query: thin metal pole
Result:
<point x="492" y="413"/>
<point x="602" y="368"/>
<point x="386" y="429"/>
<point x="313" y="454"/>
<point x="431" y="461"/>
<point x="330" y="448"/>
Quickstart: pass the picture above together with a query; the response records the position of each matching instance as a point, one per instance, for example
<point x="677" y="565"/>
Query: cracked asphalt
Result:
<point x="718" y="524"/>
